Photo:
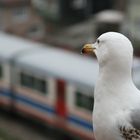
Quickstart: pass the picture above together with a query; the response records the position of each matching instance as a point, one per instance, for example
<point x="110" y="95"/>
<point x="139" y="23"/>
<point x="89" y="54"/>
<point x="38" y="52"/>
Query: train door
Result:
<point x="60" y="102"/>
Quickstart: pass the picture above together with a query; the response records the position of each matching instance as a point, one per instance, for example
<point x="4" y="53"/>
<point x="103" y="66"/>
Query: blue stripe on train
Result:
<point x="5" y="93"/>
<point x="37" y="105"/>
<point x="80" y="122"/>
<point x="47" y="109"/>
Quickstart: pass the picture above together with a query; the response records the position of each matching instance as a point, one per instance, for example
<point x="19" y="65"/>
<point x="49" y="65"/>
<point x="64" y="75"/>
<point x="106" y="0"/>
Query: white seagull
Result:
<point x="116" y="113"/>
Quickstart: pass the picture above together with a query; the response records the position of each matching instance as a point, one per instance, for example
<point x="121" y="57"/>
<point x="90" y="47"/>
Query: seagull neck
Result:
<point x="115" y="73"/>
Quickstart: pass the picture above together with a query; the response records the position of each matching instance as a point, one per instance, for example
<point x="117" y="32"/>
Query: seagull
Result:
<point x="116" y="113"/>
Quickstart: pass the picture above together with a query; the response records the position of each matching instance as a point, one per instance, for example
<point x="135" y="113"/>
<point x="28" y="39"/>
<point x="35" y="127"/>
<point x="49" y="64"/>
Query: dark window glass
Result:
<point x="33" y="82"/>
<point x="26" y="80"/>
<point x="40" y="85"/>
<point x="84" y="101"/>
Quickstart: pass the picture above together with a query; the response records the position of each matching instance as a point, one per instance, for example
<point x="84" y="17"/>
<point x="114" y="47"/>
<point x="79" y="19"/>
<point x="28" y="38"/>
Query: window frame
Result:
<point x="34" y="80"/>
<point x="86" y="102"/>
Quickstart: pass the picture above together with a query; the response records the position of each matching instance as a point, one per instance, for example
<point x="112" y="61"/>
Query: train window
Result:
<point x="33" y="83"/>
<point x="40" y="85"/>
<point x="1" y="73"/>
<point x="84" y="101"/>
<point x="26" y="80"/>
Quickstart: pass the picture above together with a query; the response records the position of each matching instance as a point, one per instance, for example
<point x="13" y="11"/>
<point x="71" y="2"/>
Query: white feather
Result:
<point x="115" y="94"/>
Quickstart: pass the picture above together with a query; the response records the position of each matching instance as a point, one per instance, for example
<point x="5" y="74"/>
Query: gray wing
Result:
<point x="132" y="133"/>
<point x="135" y="118"/>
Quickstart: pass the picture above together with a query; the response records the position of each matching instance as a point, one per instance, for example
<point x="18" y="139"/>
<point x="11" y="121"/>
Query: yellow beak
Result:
<point x="88" y="49"/>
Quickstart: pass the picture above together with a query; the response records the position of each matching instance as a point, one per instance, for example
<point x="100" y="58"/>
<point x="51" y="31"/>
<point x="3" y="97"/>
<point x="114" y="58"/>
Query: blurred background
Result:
<point x="46" y="89"/>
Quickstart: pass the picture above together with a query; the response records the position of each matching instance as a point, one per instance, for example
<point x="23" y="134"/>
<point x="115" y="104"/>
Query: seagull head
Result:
<point x="111" y="48"/>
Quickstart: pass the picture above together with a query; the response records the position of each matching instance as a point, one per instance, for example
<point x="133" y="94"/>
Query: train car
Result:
<point x="9" y="50"/>
<point x="57" y="87"/>
<point x="47" y="84"/>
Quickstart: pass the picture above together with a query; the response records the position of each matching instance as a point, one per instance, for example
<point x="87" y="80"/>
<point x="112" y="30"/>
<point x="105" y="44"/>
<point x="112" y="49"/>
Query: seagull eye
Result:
<point x="98" y="41"/>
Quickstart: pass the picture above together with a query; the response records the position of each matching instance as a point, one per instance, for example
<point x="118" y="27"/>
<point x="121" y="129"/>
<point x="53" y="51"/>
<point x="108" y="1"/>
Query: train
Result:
<point x="49" y="84"/>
